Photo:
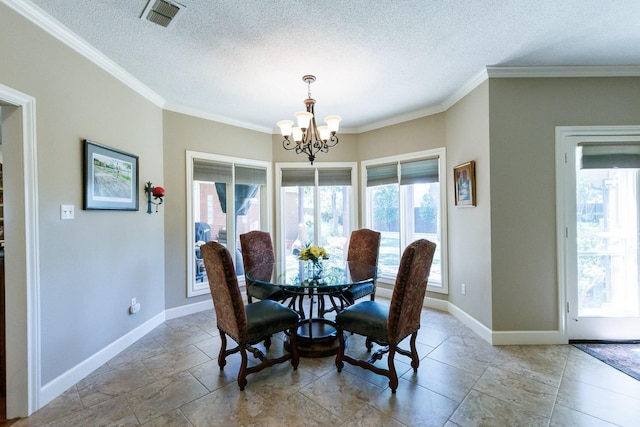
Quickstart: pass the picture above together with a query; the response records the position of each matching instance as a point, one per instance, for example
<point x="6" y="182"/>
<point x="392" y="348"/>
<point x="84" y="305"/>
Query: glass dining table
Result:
<point x="309" y="290"/>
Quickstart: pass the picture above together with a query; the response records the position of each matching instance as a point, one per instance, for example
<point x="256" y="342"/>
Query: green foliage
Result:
<point x="385" y="203"/>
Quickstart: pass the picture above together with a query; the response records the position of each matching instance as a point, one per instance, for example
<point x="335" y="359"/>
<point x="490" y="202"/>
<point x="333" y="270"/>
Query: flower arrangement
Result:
<point x="313" y="254"/>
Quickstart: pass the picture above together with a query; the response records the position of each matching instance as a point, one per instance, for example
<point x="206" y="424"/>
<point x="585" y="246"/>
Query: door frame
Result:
<point x="23" y="302"/>
<point x="565" y="187"/>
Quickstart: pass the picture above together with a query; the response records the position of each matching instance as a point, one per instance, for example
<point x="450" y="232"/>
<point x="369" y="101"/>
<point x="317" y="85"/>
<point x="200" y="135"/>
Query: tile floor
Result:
<point x="171" y="378"/>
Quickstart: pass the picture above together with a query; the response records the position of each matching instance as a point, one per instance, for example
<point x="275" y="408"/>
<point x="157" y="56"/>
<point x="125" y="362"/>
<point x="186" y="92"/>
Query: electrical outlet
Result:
<point x="464" y="289"/>
<point x="134" y="307"/>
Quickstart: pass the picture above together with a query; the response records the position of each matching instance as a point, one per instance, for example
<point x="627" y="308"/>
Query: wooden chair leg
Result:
<point x="393" y="375"/>
<point x="223" y="349"/>
<point x="340" y="354"/>
<point x="242" y="374"/>
<point x="369" y="344"/>
<point x="415" y="360"/>
<point x="293" y="346"/>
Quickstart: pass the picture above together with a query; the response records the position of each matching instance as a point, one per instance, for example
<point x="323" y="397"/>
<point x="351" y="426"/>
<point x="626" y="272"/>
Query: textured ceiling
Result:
<point x="242" y="61"/>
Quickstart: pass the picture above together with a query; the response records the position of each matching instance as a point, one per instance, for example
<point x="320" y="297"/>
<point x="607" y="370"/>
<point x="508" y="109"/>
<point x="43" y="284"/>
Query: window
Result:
<point x="317" y="206"/>
<point x="212" y="181"/>
<point x="405" y="199"/>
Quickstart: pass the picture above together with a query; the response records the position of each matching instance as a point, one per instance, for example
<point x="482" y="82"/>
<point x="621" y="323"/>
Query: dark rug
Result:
<point x="623" y="357"/>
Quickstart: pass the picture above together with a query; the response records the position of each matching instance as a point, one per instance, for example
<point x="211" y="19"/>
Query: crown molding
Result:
<point x="464" y="90"/>
<point x="69" y="38"/>
<point x="565" y="71"/>
<point x="176" y="108"/>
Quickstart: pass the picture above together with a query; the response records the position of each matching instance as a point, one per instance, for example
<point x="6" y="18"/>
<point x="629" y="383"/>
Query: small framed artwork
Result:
<point x="110" y="178"/>
<point x="464" y="178"/>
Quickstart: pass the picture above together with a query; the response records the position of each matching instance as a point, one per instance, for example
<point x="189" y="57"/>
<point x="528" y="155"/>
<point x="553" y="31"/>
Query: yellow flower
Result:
<point x="313" y="253"/>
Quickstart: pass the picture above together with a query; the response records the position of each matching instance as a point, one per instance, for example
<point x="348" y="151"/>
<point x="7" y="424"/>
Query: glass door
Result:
<point x="604" y="300"/>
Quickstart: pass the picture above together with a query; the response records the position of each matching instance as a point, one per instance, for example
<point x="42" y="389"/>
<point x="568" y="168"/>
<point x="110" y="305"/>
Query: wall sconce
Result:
<point x="156" y="192"/>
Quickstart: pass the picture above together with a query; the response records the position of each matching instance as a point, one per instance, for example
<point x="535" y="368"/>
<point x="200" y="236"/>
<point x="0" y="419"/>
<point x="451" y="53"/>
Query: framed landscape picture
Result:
<point x="110" y="178"/>
<point x="464" y="179"/>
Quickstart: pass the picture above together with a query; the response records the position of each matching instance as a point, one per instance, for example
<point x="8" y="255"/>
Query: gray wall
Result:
<point x="524" y="114"/>
<point x="89" y="267"/>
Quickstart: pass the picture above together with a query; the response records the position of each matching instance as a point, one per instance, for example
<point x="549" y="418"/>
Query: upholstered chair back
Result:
<point x="409" y="290"/>
<point x="364" y="248"/>
<point x="257" y="250"/>
<point x="225" y="292"/>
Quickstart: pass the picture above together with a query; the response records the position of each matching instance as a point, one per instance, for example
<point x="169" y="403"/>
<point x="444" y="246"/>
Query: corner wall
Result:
<point x="470" y="257"/>
<point x="524" y="113"/>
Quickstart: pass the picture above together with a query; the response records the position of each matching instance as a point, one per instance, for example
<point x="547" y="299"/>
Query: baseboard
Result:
<point x="527" y="338"/>
<point x="62" y="383"/>
<point x="506" y="337"/>
<point x="470" y="321"/>
<point x="185" y="310"/>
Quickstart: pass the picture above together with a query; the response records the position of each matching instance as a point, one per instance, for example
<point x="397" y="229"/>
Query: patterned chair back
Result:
<point x="409" y="290"/>
<point x="225" y="292"/>
<point x="257" y="250"/>
<point x="364" y="248"/>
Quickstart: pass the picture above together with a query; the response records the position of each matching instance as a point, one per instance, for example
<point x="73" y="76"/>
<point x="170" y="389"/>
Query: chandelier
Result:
<point x="309" y="138"/>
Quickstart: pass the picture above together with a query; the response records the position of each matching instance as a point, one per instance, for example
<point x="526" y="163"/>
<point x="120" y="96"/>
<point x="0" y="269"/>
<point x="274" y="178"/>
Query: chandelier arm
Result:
<point x="333" y="141"/>
<point x="286" y="142"/>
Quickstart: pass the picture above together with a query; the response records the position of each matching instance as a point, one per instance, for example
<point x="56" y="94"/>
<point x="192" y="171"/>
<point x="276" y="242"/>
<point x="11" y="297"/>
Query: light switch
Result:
<point x="66" y="211"/>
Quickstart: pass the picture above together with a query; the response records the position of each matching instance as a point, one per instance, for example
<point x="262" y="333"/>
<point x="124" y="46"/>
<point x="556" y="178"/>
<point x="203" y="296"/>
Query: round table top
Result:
<point x="301" y="274"/>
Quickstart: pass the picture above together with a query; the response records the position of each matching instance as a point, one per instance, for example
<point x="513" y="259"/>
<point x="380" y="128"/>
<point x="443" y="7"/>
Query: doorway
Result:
<point x="21" y="252"/>
<point x="598" y="171"/>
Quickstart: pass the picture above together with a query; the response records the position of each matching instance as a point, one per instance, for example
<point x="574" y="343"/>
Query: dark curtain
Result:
<point x="244" y="194"/>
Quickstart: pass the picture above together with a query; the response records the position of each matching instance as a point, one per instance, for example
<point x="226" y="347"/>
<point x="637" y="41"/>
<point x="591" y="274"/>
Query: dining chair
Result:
<point x="388" y="325"/>
<point x="247" y="324"/>
<point x="364" y="248"/>
<point x="257" y="251"/>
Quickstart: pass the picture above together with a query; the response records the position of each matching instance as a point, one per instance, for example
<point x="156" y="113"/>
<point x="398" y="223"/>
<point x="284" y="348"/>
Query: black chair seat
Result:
<point x="265" y="292"/>
<point x="367" y="318"/>
<point x="265" y="318"/>
<point x="358" y="291"/>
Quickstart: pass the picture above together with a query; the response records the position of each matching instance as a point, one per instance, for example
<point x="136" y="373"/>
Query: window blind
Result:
<point x="419" y="171"/>
<point x="335" y="176"/>
<point x="250" y="175"/>
<point x="382" y="174"/>
<point x="298" y="177"/>
<point x="606" y="156"/>
<point x="205" y="170"/>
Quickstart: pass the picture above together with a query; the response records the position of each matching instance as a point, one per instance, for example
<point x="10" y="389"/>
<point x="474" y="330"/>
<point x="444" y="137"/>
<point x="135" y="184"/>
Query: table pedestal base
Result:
<point x="316" y="338"/>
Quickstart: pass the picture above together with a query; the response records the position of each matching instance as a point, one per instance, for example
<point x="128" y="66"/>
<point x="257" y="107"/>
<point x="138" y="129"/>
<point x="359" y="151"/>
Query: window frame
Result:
<point x="440" y="154"/>
<point x="280" y="247"/>
<point x="194" y="288"/>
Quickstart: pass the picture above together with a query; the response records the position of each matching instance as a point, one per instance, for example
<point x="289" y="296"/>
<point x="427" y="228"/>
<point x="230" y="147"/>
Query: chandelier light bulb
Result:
<point x="324" y="132"/>
<point x="285" y="127"/>
<point x="304" y="118"/>
<point x="297" y="134"/>
<point x="333" y="122"/>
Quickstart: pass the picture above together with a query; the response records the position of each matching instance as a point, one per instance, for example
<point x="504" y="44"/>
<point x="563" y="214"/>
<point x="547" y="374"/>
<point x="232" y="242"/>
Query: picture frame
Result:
<point x="464" y="183"/>
<point x="110" y="178"/>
